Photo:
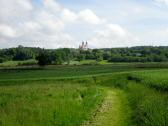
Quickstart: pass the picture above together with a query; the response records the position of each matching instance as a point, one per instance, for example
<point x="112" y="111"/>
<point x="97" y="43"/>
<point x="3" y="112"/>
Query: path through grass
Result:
<point x="114" y="111"/>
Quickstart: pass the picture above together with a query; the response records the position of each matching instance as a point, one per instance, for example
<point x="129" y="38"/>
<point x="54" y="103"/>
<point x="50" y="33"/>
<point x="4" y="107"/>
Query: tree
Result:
<point x="98" y="54"/>
<point x="89" y="54"/>
<point x="43" y="58"/>
<point x="106" y="55"/>
<point x="1" y="60"/>
<point x="81" y="57"/>
<point x="58" y="58"/>
<point x="22" y="53"/>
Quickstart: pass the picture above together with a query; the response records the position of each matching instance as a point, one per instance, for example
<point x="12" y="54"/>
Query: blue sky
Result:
<point x="65" y="23"/>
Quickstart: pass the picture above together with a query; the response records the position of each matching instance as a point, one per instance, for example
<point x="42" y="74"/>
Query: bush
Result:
<point x="43" y="58"/>
<point x="1" y="60"/>
<point x="27" y="63"/>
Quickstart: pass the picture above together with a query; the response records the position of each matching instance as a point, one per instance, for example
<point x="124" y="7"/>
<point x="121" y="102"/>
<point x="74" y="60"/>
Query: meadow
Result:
<point x="85" y="95"/>
<point x="18" y="63"/>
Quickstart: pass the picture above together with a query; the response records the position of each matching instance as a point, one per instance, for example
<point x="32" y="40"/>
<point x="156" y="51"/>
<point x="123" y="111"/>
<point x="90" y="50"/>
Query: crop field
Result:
<point x="53" y="72"/>
<point x="88" y="95"/>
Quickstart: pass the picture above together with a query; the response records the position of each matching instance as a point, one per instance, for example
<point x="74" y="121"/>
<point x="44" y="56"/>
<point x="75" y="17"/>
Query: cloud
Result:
<point x="161" y="2"/>
<point x="156" y="35"/>
<point x="52" y="6"/>
<point x="90" y="17"/>
<point x="7" y="31"/>
<point x="25" y="4"/>
<point x="31" y="26"/>
<point x="46" y="26"/>
<point x="117" y="30"/>
<point x="68" y="16"/>
<point x="10" y="9"/>
<point x="113" y="35"/>
<point x="49" y="22"/>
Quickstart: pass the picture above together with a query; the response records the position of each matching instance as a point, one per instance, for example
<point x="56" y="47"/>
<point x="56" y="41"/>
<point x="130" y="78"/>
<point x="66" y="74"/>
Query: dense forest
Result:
<point x="58" y="56"/>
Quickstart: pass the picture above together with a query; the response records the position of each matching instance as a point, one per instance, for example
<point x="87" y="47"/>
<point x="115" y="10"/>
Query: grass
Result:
<point x="155" y="79"/>
<point x="149" y="105"/>
<point x="114" y="111"/>
<point x="89" y="62"/>
<point x="60" y="71"/>
<point x="18" y="63"/>
<point x="60" y="104"/>
<point x="71" y="95"/>
<point x="56" y="72"/>
<point x="34" y="62"/>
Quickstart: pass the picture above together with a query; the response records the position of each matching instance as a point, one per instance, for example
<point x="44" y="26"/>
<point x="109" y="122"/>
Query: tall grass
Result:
<point x="58" y="104"/>
<point x="149" y="106"/>
<point x="35" y="97"/>
<point x="154" y="79"/>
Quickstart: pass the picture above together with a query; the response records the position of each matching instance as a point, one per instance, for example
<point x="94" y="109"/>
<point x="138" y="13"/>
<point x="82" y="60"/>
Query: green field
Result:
<point x="88" y="95"/>
<point x="18" y="63"/>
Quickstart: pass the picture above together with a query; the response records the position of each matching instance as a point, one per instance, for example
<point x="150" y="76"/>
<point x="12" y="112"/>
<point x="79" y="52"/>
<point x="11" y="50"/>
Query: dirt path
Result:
<point x="114" y="111"/>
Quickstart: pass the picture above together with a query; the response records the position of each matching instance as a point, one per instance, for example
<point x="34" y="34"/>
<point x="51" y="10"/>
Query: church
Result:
<point x="84" y="46"/>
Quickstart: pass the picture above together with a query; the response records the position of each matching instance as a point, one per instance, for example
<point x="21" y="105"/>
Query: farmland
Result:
<point x="87" y="95"/>
<point x="83" y="63"/>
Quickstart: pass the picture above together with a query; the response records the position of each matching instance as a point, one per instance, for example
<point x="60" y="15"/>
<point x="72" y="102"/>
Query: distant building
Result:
<point x="84" y="46"/>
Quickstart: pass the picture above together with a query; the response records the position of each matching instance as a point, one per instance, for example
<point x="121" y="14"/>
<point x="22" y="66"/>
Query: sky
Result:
<point x="66" y="23"/>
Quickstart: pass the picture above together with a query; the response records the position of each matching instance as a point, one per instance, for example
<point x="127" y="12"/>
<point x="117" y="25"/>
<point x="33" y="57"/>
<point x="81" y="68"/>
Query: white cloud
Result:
<point x="32" y="26"/>
<point x="7" y="31"/>
<point x="90" y="17"/>
<point x="161" y="2"/>
<point x="157" y="34"/>
<point x="113" y="35"/>
<point x="117" y="30"/>
<point x="52" y="6"/>
<point x="25" y="4"/>
<point x="22" y="23"/>
<point x="68" y="16"/>
<point x="49" y="21"/>
<point x="47" y="24"/>
<point x="14" y="9"/>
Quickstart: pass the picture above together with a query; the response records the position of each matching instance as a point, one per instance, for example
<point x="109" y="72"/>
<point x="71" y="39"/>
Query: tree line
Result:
<point x="59" y="56"/>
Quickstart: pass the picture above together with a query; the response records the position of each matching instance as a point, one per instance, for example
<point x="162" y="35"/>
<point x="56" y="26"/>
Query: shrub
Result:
<point x="1" y="60"/>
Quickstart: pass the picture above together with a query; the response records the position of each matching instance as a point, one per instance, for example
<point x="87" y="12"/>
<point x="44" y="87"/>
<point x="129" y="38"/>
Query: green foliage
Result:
<point x="55" y="57"/>
<point x="18" y="63"/>
<point x="1" y="60"/>
<point x="62" y="55"/>
<point x="81" y="57"/>
<point x="43" y="58"/>
<point x="22" y="53"/>
<point x="106" y="55"/>
<point x="139" y="54"/>
<point x="98" y="54"/>
<point x="18" y="54"/>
